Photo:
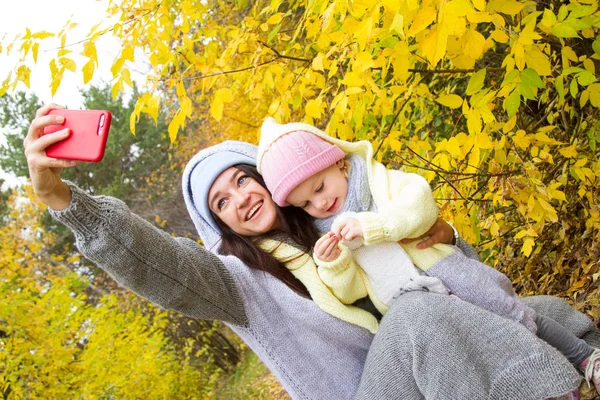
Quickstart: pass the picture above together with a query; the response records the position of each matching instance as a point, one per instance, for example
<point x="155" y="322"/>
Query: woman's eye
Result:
<point x="221" y="204"/>
<point x="242" y="180"/>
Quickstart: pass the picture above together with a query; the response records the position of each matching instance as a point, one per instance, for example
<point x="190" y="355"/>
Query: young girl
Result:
<point x="304" y="167"/>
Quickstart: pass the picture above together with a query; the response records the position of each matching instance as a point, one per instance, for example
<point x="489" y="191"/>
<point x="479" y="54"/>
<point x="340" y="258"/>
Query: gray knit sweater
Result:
<point x="314" y="355"/>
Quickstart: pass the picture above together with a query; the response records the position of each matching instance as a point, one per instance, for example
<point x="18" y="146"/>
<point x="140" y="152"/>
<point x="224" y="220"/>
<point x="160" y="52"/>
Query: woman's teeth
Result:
<point x="253" y="210"/>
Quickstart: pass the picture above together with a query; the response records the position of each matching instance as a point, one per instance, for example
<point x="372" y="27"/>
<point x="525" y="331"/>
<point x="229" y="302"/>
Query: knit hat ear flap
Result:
<point x="292" y="158"/>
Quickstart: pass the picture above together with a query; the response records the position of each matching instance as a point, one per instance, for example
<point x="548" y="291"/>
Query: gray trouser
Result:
<point x="438" y="347"/>
<point x="484" y="286"/>
<point x="576" y="350"/>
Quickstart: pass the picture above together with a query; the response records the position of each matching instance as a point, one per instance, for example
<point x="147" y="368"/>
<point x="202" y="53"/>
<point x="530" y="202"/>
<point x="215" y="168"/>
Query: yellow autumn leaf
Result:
<point x="521" y="139"/>
<point x="275" y="19"/>
<point x="474" y="124"/>
<point x="450" y="100"/>
<point x="68" y="64"/>
<point x="317" y="62"/>
<point x="453" y="147"/>
<point x="483" y="141"/>
<point x="423" y="19"/>
<point x="313" y="108"/>
<point x="537" y="60"/>
<point x="353" y="79"/>
<point x="397" y="25"/>
<point x="499" y="36"/>
<point x="23" y="74"/>
<point x="509" y="7"/>
<point x="479" y="4"/>
<point x="34" y="51"/>
<point x="569" y="152"/>
<point x="222" y="96"/>
<point x="176" y="123"/>
<point x="89" y="51"/>
<point x="527" y="248"/>
<point x="152" y="107"/>
<point x="594" y="90"/>
<point x="88" y="71"/>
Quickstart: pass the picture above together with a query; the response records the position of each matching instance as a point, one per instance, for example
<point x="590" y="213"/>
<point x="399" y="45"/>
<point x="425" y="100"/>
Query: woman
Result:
<point x="428" y="346"/>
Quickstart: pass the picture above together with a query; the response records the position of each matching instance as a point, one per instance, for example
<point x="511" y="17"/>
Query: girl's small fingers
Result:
<point x="331" y="247"/>
<point x="321" y="242"/>
<point x="344" y="232"/>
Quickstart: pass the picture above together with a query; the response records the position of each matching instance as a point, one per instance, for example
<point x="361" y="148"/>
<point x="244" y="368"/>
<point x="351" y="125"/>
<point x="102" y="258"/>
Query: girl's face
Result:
<point x="323" y="194"/>
<point x="242" y="203"/>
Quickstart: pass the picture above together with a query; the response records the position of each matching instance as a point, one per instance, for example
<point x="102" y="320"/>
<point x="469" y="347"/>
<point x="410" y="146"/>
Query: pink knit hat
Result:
<point x="292" y="158"/>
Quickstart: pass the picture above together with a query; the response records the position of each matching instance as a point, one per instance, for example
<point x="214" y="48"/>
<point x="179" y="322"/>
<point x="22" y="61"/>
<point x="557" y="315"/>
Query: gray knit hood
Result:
<point x="209" y="235"/>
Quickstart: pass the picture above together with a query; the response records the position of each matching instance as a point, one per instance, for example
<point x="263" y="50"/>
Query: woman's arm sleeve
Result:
<point x="173" y="273"/>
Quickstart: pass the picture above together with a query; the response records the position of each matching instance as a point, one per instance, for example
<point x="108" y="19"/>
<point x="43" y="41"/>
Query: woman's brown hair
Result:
<point x="297" y="227"/>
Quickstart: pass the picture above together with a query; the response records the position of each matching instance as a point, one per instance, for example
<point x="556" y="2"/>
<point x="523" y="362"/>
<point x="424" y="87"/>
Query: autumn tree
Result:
<point x="495" y="102"/>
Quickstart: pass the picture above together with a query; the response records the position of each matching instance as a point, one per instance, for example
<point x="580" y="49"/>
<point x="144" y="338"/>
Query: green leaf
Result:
<point x="512" y="103"/>
<point x="273" y="33"/>
<point x="476" y="82"/>
<point x="563" y="30"/>
<point x="562" y="12"/>
<point x="389" y="42"/>
<point x="532" y="78"/>
<point x="592" y="139"/>
<point x="573" y="88"/>
<point x="526" y="91"/>
<point x="560" y="88"/>
<point x="585" y="78"/>
<point x="596" y="46"/>
<point x="510" y="77"/>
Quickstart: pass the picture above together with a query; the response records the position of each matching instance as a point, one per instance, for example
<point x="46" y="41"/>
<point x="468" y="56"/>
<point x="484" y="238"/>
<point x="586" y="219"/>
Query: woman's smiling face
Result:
<point x="242" y="203"/>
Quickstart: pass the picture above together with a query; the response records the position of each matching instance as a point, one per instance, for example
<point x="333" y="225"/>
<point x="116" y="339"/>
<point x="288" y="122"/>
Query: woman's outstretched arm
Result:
<point x="174" y="273"/>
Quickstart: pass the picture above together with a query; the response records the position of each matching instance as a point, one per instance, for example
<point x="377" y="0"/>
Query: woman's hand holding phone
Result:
<point x="45" y="171"/>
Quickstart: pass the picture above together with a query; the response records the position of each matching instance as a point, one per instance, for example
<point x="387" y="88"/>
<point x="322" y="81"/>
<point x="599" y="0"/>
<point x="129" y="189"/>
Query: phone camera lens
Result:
<point x="101" y="124"/>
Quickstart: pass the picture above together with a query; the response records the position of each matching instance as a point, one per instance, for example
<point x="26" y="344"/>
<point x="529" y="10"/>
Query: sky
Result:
<point x="51" y="16"/>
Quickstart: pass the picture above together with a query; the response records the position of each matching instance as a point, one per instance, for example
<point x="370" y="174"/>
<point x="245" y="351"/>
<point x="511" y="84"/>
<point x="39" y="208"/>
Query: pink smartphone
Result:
<point x="89" y="132"/>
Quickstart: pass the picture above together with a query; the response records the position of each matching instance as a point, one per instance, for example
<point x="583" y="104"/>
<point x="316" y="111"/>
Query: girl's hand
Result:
<point x="348" y="229"/>
<point x="326" y="248"/>
<point x="44" y="171"/>
<point x="440" y="232"/>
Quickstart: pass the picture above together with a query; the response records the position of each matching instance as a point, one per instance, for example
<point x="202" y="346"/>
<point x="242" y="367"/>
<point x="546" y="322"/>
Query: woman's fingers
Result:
<point x="47" y="162"/>
<point x="430" y="241"/>
<point x="38" y="146"/>
<point x="440" y="232"/>
<point x="46" y="109"/>
<point x="35" y="152"/>
<point x="36" y="129"/>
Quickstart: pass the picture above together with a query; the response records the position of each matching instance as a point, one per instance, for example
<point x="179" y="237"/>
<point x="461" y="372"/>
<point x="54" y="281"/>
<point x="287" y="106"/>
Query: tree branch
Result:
<point x="102" y="33"/>
<point x="452" y="71"/>
<point x="279" y="55"/>
<point x="389" y="130"/>
<point x="231" y="71"/>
